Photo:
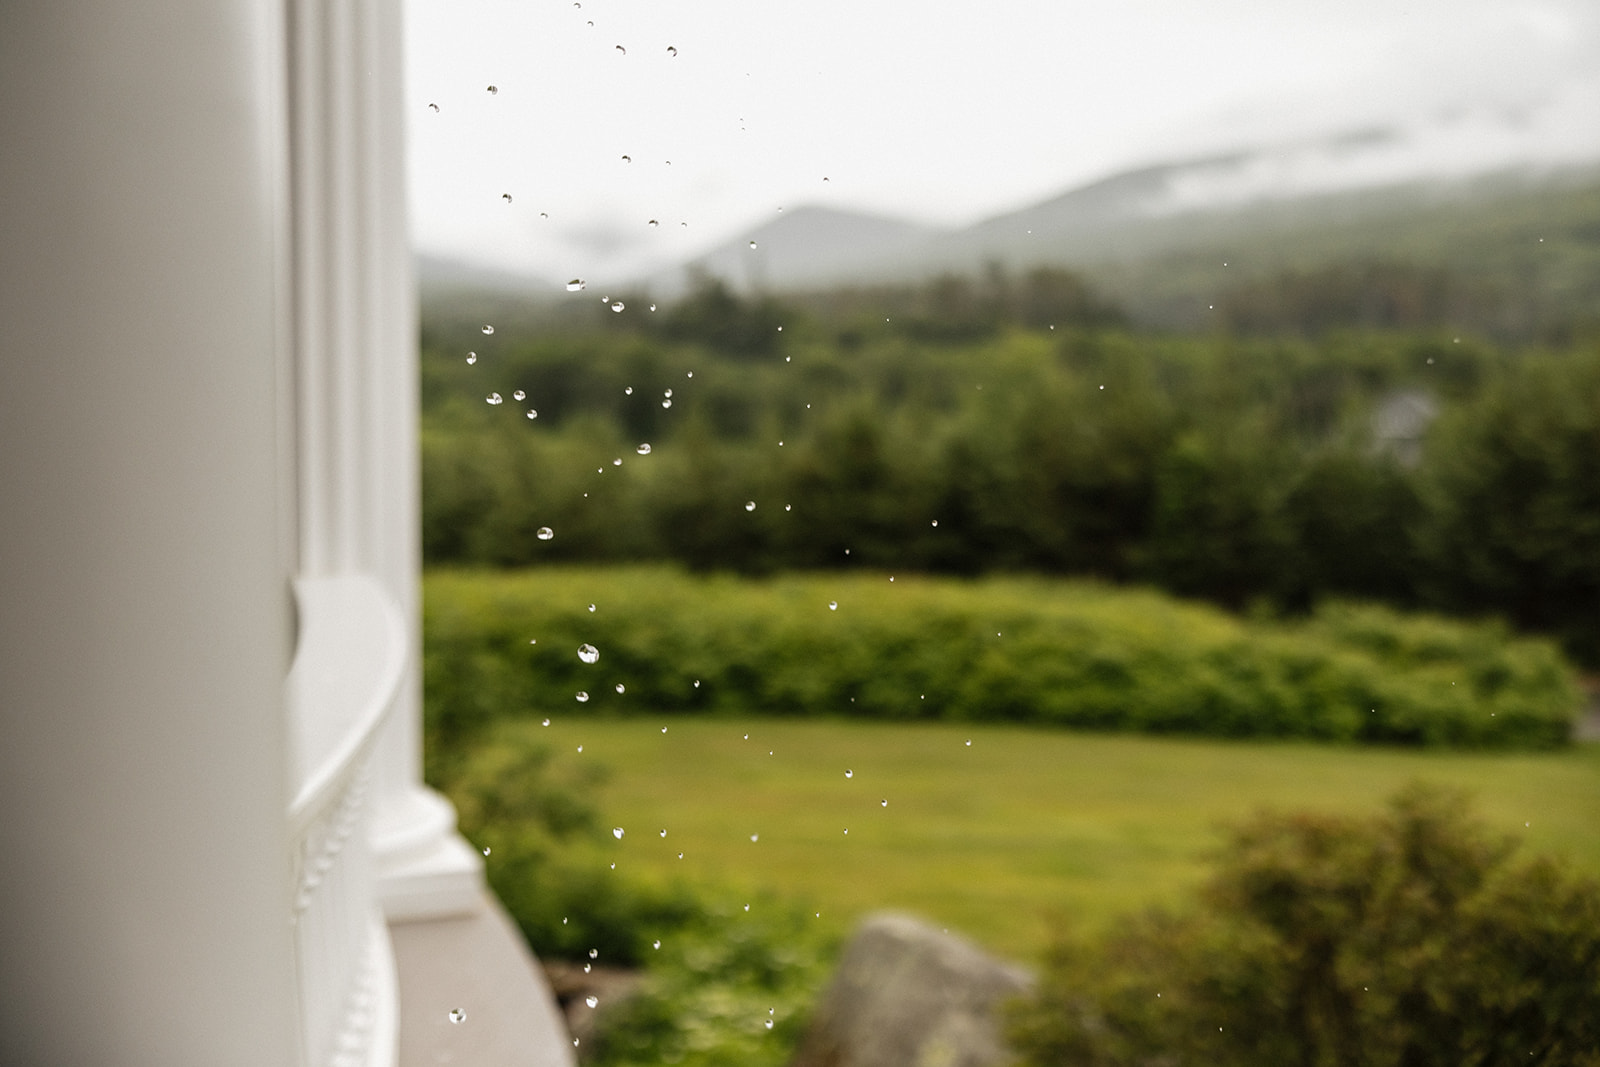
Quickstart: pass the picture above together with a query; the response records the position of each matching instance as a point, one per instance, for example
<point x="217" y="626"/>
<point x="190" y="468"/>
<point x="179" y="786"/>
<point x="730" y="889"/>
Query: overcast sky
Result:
<point x="939" y="112"/>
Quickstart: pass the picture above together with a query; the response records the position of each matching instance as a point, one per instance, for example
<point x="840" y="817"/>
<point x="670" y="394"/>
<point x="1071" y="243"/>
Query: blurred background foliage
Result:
<point x="1331" y="441"/>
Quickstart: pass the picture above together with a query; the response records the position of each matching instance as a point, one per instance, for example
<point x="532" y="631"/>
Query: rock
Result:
<point x="906" y="995"/>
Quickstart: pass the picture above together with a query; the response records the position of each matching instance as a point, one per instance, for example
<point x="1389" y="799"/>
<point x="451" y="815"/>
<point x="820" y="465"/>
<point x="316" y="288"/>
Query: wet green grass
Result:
<point x="1019" y="830"/>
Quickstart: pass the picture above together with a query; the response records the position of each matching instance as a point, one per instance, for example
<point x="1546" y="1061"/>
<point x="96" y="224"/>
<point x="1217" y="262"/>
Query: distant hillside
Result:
<point x="1527" y="241"/>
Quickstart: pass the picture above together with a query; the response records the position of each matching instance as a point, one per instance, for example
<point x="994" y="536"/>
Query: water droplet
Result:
<point x="663" y="833"/>
<point x="435" y="107"/>
<point x="544" y="214"/>
<point x="849" y="774"/>
<point x="969" y="742"/>
<point x="667" y="393"/>
<point x="833" y="605"/>
<point x="780" y="329"/>
<point x="457" y="1015"/>
<point x="663" y="729"/>
<point x="885" y="802"/>
<point x="666" y="403"/>
<point x="644" y="449"/>
<point x="485" y="850"/>
<point x="655" y="944"/>
<point x="580" y="748"/>
<point x="545" y="533"/>
<point x="769" y="1024"/>
<point x="824" y="178"/>
<point x="752" y="244"/>
<point x="653" y="223"/>
<point x="627" y="159"/>
<point x="616" y="832"/>
<point x="617" y="462"/>
<point x="753" y="837"/>
<point x="583" y="698"/>
<point x="936" y="522"/>
<point x="591" y="1000"/>
<point x="621" y="49"/>
<point x="588" y="653"/>
<point x="621" y="688"/>
<point x="618" y="306"/>
<point x="627" y="390"/>
<point x="591" y="609"/>
<point x="493" y="90"/>
<point x="749" y="505"/>
<point x="494" y="399"/>
<point x="487" y="329"/>
<point x="472" y="357"/>
<point x="747" y="907"/>
<point x="546" y="722"/>
<point x="680" y="855"/>
<point x="575" y="284"/>
<point x="519" y="395"/>
<point x="652" y="307"/>
<point x="589" y="967"/>
<point x="506" y="197"/>
<point x="671" y="51"/>
<point x="533" y="413"/>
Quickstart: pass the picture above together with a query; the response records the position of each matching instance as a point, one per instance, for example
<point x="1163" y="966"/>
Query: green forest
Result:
<point x="1021" y="424"/>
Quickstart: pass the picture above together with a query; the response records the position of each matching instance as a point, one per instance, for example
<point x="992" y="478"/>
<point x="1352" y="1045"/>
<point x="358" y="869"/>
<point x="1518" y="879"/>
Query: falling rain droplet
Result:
<point x="885" y="802"/>
<point x="546" y="722"/>
<point x="457" y="1015"/>
<point x="519" y="395"/>
<point x="663" y="729"/>
<point x="472" y="357"/>
<point x="494" y="398"/>
<point x="654" y="223"/>
<point x="621" y="49"/>
<point x="655" y="944"/>
<point x="652" y="307"/>
<point x="833" y="605"/>
<point x="616" y="832"/>
<point x="788" y="507"/>
<point x="667" y="393"/>
<point x="487" y="329"/>
<point x="575" y="284"/>
<point x="969" y="742"/>
<point x="493" y="89"/>
<point x="591" y="1000"/>
<point x="591" y="609"/>
<point x="749" y="505"/>
<point x="545" y="533"/>
<point x="753" y="837"/>
<point x="435" y="107"/>
<point x="588" y="653"/>
<point x="506" y="197"/>
<point x="644" y="449"/>
<point x="849" y="774"/>
<point x="621" y="688"/>
<point x="671" y="51"/>
<point x="666" y="403"/>
<point x="618" y="306"/>
<point x="627" y="159"/>
<point x="769" y="1024"/>
<point x="533" y="413"/>
<point x="627" y="390"/>
<point x="485" y="850"/>
<point x="583" y="698"/>
<point x="752" y="244"/>
<point x="663" y="833"/>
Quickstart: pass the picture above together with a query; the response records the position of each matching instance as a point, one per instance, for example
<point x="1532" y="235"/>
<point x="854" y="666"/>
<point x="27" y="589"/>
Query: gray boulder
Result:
<point x="907" y="995"/>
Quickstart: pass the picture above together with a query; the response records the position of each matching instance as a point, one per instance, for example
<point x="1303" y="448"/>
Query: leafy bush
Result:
<point x="1408" y="938"/>
<point x="717" y="972"/>
<point x="731" y="989"/>
<point x="500" y="645"/>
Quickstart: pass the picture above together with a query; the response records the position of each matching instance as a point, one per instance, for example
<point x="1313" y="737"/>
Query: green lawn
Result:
<point x="1019" y="829"/>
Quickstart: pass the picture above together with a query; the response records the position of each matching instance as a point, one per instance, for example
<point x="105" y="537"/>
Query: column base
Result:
<point x="425" y="870"/>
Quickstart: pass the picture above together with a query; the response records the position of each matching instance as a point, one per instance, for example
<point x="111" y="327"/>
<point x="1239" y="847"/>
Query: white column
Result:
<point x="357" y="388"/>
<point x="145" y="613"/>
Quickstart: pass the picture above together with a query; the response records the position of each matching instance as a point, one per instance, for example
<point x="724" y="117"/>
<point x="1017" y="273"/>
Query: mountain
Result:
<point x="807" y="246"/>
<point x="441" y="275"/>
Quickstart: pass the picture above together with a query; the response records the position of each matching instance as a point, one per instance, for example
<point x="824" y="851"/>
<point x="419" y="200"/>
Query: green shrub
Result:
<point x="500" y="645"/>
<point x="1404" y="939"/>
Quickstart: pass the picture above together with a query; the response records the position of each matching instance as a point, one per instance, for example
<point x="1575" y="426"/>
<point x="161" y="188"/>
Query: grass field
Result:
<point x="1019" y="829"/>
